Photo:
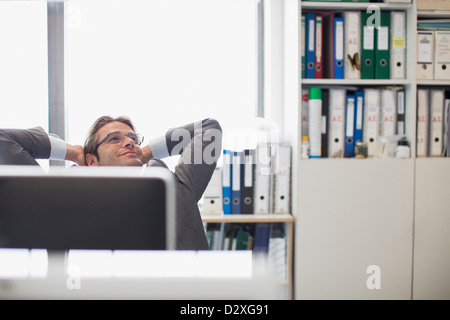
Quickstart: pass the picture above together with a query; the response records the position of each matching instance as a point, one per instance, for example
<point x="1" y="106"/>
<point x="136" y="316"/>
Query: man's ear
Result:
<point x="91" y="160"/>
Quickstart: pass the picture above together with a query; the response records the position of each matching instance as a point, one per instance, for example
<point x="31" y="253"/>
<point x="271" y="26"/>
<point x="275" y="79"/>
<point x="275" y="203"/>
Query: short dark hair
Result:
<point x="90" y="145"/>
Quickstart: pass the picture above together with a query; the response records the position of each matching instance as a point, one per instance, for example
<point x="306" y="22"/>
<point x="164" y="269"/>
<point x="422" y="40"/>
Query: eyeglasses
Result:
<point x="118" y="137"/>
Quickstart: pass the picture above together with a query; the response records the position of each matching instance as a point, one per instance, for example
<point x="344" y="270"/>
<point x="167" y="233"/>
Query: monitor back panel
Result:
<point x="61" y="213"/>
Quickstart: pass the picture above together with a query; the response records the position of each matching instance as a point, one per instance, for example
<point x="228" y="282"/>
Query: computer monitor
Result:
<point x="105" y="208"/>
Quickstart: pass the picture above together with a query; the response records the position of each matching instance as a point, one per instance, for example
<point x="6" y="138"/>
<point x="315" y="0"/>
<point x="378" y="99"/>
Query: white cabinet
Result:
<point x="432" y="229"/>
<point x="354" y="214"/>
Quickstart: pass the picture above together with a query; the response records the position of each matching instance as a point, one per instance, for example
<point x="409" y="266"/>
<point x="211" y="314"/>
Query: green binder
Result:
<point x="382" y="46"/>
<point x="367" y="47"/>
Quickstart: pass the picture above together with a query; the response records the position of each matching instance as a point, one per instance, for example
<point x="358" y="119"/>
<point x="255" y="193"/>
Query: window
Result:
<point x="164" y="63"/>
<point x="23" y="64"/>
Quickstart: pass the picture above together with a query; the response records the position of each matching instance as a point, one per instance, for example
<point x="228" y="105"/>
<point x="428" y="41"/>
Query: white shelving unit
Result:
<point x="248" y="218"/>
<point x="288" y="219"/>
<point x="361" y="82"/>
<point x="351" y="214"/>
<point x="431" y="212"/>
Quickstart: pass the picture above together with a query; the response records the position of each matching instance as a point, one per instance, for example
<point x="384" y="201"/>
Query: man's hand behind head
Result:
<point x="75" y="153"/>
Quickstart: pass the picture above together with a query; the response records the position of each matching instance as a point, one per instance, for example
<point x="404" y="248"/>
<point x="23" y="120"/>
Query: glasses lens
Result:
<point x="134" y="137"/>
<point x="114" y="137"/>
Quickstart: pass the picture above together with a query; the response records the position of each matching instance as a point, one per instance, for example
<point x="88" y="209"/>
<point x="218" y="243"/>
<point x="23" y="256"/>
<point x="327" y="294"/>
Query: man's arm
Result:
<point x="23" y="146"/>
<point x="200" y="146"/>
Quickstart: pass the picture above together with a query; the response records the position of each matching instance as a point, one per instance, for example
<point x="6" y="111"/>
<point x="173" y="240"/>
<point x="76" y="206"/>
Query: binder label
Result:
<point x="248" y="178"/>
<point x="383" y="38"/>
<point x="318" y="40"/>
<point x="236" y="172"/>
<point x="350" y="116"/>
<point x="369" y="34"/>
<point x="398" y="42"/>
<point x="424" y="54"/>
<point x="339" y="49"/>
<point x="359" y="112"/>
<point x="226" y="170"/>
<point x="324" y="125"/>
<point x="311" y="35"/>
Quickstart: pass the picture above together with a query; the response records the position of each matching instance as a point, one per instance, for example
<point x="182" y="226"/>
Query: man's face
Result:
<point x="123" y="153"/>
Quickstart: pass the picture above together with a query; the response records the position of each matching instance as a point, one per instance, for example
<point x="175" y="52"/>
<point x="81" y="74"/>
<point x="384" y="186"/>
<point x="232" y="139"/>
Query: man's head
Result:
<point x="113" y="142"/>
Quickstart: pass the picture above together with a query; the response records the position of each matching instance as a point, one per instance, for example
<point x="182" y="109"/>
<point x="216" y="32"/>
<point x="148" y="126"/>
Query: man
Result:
<point x="114" y="142"/>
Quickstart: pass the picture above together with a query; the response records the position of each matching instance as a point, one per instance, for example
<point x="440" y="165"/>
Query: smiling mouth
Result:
<point x="129" y="152"/>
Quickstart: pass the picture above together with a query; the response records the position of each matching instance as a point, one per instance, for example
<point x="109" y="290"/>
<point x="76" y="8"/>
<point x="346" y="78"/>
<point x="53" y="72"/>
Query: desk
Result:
<point x="150" y="275"/>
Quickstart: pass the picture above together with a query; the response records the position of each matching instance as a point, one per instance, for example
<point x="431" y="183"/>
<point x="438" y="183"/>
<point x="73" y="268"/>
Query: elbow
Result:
<point x="212" y="123"/>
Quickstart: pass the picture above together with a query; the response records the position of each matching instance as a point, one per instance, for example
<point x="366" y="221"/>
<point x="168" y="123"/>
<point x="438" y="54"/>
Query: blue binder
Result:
<point x="226" y="181"/>
<point x="236" y="183"/>
<point x="310" y="45"/>
<point x="359" y="116"/>
<point x="339" y="48"/>
<point x="349" y="148"/>
<point x="303" y="46"/>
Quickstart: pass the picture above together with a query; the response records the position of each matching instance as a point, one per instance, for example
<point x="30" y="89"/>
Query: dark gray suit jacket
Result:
<point x="199" y="145"/>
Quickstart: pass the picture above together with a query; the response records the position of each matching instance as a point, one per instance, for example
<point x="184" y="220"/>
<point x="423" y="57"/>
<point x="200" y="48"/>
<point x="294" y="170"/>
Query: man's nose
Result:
<point x="129" y="142"/>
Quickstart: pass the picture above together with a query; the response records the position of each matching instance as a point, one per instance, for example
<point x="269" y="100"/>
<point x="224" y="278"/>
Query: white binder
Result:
<point x="422" y="122"/>
<point x="352" y="46"/>
<point x="436" y="122"/>
<point x="336" y="114"/>
<point x="212" y="197"/>
<point x="371" y="127"/>
<point x="388" y="112"/>
<point x="282" y="183"/>
<point x="446" y="138"/>
<point x="263" y="179"/>
<point x="425" y="55"/>
<point x="398" y="44"/>
<point x="441" y="55"/>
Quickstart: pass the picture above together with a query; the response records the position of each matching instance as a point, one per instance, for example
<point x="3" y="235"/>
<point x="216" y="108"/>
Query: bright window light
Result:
<point x="90" y="263"/>
<point x="14" y="263"/>
<point x="159" y="264"/>
<point x="225" y="264"/>
<point x="163" y="63"/>
<point x="23" y="64"/>
<point x="38" y="259"/>
<point x="23" y="263"/>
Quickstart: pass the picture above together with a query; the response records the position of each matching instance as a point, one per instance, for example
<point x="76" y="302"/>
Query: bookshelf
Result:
<point x="433" y="14"/>
<point x="352" y="5"/>
<point x="354" y="213"/>
<point x="362" y="82"/>
<point x="287" y="219"/>
<point x="248" y="218"/>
